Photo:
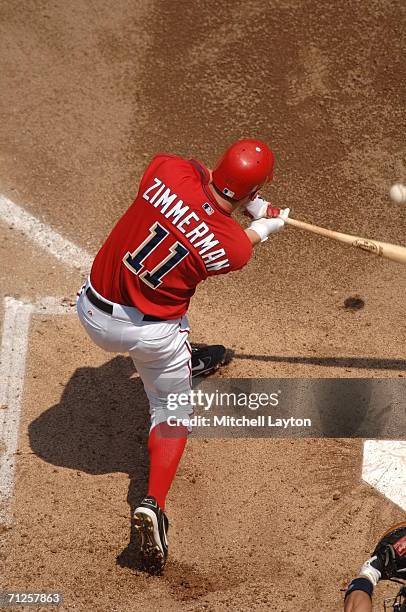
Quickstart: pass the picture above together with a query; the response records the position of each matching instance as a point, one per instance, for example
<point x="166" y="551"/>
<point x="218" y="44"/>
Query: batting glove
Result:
<point x="371" y="570"/>
<point x="265" y="226"/>
<point x="256" y="208"/>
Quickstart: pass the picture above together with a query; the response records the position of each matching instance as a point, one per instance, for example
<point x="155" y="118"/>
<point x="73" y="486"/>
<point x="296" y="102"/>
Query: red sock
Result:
<point x="165" y="445"/>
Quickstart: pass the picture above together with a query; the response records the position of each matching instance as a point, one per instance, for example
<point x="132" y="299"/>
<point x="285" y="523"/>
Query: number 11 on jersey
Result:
<point x="135" y="260"/>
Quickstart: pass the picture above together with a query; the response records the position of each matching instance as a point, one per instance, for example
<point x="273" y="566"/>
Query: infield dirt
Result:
<point x="90" y="91"/>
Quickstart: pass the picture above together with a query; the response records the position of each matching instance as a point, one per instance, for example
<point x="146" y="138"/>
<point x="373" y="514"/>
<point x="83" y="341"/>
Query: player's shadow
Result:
<point x="100" y="426"/>
<point x="369" y="363"/>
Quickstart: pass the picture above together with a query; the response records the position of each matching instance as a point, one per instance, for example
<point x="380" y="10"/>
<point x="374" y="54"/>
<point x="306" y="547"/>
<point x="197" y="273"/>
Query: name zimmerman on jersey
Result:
<point x="195" y="230"/>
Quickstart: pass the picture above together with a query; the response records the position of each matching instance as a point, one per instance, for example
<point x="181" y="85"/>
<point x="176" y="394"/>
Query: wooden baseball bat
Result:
<point x="393" y="252"/>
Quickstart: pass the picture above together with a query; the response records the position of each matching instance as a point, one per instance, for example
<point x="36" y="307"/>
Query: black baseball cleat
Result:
<point x="151" y="525"/>
<point x="207" y="359"/>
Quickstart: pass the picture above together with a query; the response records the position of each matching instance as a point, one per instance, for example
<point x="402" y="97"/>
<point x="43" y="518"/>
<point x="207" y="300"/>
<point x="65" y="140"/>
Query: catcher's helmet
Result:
<point x="391" y="552"/>
<point x="243" y="168"/>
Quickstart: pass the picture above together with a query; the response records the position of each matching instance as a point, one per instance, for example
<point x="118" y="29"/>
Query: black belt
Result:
<point x="105" y="307"/>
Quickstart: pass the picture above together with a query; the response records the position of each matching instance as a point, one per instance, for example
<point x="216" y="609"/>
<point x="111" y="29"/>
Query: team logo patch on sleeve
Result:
<point x="207" y="208"/>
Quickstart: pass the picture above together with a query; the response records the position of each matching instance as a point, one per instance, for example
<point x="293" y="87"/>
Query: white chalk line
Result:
<point x="44" y="236"/>
<point x="12" y="367"/>
<point x="13" y="352"/>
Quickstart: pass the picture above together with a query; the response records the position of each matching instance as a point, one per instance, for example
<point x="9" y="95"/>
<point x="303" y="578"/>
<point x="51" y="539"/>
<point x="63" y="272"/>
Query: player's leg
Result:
<point x="165" y="451"/>
<point x="165" y="447"/>
<point x="164" y="367"/>
<point x="162" y="357"/>
<point x="161" y="354"/>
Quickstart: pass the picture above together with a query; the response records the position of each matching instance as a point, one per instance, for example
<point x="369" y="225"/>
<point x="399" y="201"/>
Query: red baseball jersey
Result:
<point x="172" y="237"/>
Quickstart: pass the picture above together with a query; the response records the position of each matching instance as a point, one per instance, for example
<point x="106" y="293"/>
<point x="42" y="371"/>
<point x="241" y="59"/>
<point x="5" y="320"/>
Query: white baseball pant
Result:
<point x="160" y="351"/>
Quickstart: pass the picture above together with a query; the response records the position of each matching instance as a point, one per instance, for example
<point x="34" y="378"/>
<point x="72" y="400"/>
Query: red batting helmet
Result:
<point x="244" y="167"/>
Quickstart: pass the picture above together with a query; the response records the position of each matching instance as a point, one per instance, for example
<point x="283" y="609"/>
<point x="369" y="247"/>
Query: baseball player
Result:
<point x="178" y="232"/>
<point x="388" y="562"/>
